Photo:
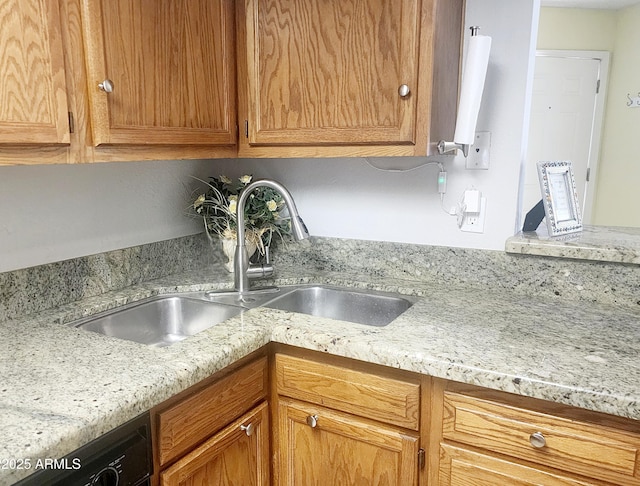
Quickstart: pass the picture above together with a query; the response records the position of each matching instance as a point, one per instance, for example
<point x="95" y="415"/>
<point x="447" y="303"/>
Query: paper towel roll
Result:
<point x="473" y="76"/>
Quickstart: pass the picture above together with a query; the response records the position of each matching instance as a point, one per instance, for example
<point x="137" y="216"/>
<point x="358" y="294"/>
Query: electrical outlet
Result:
<point x="474" y="222"/>
<point x="479" y="152"/>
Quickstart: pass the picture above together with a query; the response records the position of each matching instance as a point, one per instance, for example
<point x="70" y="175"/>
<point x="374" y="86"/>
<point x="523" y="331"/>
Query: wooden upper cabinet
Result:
<point x="329" y="75"/>
<point x="329" y="72"/>
<point x="172" y="66"/>
<point x="33" y="100"/>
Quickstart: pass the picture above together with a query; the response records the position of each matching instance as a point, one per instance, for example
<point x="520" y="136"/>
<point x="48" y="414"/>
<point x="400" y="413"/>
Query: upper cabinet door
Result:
<point x="329" y="72"/>
<point x="348" y="77"/>
<point x="170" y="68"/>
<point x="33" y="100"/>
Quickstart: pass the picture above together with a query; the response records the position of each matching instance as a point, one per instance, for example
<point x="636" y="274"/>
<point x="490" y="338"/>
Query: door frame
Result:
<point x="598" y="117"/>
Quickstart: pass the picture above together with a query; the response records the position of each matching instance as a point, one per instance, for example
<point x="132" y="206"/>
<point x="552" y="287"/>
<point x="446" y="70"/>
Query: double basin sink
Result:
<point x="165" y="319"/>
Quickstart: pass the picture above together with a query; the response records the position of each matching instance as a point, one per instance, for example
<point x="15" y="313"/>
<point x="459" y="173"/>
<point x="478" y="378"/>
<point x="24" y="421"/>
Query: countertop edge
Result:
<point x="593" y="243"/>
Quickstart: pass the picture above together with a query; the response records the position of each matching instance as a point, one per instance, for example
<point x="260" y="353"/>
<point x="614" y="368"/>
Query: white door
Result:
<point x="566" y="120"/>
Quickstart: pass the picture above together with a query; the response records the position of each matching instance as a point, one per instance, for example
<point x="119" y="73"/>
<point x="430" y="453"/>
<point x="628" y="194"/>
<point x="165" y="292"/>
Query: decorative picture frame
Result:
<point x="559" y="197"/>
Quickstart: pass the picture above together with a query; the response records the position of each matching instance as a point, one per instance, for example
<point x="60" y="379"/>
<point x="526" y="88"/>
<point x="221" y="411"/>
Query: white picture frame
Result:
<point x="559" y="197"/>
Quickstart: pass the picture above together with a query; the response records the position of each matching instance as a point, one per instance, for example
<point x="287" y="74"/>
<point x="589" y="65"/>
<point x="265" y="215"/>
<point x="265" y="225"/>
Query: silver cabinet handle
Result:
<point x="404" y="90"/>
<point x="106" y="86"/>
<point x="312" y="421"/>
<point x="248" y="429"/>
<point x="537" y="440"/>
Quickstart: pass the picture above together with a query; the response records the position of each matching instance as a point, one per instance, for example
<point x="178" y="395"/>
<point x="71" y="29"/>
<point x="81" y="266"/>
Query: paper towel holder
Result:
<point x="450" y="148"/>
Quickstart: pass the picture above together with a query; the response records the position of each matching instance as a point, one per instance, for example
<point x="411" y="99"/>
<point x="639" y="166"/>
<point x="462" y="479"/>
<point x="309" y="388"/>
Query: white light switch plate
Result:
<point x="480" y="152"/>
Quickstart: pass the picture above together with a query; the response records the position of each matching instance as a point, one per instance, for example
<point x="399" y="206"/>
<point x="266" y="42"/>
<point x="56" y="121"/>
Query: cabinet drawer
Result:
<point x="385" y="399"/>
<point x="584" y="448"/>
<point x="197" y="417"/>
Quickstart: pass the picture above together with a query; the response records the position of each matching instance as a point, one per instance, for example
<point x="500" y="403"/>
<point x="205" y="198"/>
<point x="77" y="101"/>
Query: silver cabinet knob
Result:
<point x="106" y="86"/>
<point x="312" y="420"/>
<point x="248" y="429"/>
<point x="404" y="90"/>
<point x="537" y="440"/>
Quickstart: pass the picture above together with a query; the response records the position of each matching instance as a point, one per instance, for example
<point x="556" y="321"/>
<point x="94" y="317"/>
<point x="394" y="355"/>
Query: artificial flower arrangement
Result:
<point x="262" y="217"/>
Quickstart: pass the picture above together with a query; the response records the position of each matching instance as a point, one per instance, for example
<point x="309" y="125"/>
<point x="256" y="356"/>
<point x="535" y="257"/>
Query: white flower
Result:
<point x="233" y="203"/>
<point x="199" y="202"/>
<point x="272" y="205"/>
<point x="225" y="180"/>
<point x="245" y="179"/>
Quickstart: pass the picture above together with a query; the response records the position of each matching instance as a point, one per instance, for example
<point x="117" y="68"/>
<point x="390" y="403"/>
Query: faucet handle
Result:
<point x="256" y="270"/>
<point x="262" y="268"/>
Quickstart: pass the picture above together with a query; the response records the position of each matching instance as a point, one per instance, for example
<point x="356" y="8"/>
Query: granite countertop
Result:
<point x="596" y="243"/>
<point x="63" y="387"/>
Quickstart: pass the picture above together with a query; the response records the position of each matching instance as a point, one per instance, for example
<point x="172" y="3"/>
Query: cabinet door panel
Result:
<point x="231" y="457"/>
<point x="342" y="450"/>
<point x="172" y="66"/>
<point x="460" y="467"/>
<point x="33" y="100"/>
<point x="329" y="72"/>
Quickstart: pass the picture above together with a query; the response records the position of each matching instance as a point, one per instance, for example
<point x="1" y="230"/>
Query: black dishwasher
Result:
<point x="121" y="457"/>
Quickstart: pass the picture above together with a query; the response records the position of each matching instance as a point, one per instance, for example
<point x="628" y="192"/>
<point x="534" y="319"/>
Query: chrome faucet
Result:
<point x="243" y="270"/>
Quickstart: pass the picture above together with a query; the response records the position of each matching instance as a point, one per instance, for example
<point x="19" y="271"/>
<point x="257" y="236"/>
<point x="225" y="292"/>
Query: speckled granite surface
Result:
<point x="600" y="243"/>
<point x="34" y="289"/>
<point x="485" y="318"/>
<point x="558" y="279"/>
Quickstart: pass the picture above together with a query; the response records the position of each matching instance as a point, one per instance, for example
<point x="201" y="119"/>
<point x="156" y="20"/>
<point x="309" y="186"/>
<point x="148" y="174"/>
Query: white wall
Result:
<point x="51" y="213"/>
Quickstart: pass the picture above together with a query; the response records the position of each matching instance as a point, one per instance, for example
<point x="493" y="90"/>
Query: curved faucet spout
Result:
<point x="298" y="228"/>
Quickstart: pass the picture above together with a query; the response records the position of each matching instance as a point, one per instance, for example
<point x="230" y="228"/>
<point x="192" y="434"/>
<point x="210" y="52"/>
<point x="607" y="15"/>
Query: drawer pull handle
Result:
<point x="248" y="429"/>
<point x="537" y="440"/>
<point x="312" y="421"/>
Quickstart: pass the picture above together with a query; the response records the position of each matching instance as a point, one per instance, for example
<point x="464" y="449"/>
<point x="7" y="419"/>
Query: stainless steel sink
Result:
<point x="166" y="319"/>
<point x="159" y="321"/>
<point x="371" y="308"/>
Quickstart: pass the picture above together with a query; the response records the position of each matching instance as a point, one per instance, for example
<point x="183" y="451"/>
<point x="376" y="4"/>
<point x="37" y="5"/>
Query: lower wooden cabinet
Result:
<point x="324" y="447"/>
<point x="462" y="467"/>
<point x="487" y="437"/>
<point x="290" y="417"/>
<point x="237" y="455"/>
<point x="344" y="423"/>
<point x="216" y="433"/>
